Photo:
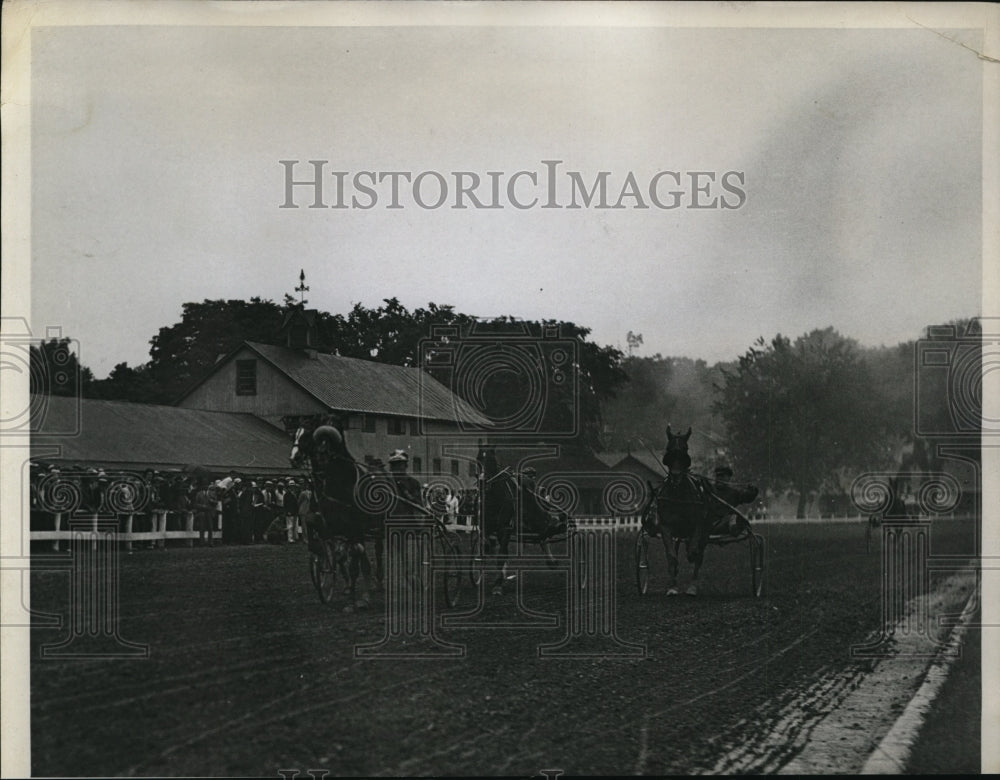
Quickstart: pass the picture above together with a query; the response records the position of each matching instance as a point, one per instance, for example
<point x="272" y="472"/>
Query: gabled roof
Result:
<point x="646" y="459"/>
<point x="355" y="385"/>
<point x="122" y="434"/>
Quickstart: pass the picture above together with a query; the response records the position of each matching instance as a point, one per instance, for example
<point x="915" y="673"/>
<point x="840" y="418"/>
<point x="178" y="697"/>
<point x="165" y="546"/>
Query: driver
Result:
<point x="724" y="519"/>
<point x="407" y="487"/>
<point x="548" y="520"/>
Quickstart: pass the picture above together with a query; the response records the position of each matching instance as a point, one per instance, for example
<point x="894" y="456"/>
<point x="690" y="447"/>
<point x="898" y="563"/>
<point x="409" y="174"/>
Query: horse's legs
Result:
<point x="502" y="547"/>
<point x="696" y="554"/>
<point x="366" y="574"/>
<point x="671" y="565"/>
<point x="379" y="552"/>
<point x="358" y="566"/>
<point x="343" y="554"/>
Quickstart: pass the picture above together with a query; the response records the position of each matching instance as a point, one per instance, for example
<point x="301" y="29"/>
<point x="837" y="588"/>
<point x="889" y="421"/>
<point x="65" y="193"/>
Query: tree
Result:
<point x="798" y="412"/>
<point x="125" y="382"/>
<point x="56" y="370"/>
<point x="567" y="376"/>
<point x="184" y="352"/>
<point x="659" y="391"/>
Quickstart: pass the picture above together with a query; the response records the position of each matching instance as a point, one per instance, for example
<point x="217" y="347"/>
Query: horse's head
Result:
<point x="676" y="457"/>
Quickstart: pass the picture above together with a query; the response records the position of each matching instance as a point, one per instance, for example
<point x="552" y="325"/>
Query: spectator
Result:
<point x="230" y="512"/>
<point x="204" y="513"/>
<point x="291" y="509"/>
<point x="260" y="501"/>
<point x="451" y="507"/>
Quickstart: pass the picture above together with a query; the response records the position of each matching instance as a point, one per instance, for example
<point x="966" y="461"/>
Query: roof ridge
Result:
<point x="321" y="353"/>
<point x="147" y="405"/>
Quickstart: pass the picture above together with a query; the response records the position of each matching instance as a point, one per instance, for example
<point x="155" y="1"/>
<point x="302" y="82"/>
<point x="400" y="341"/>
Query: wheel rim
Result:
<point x="452" y="574"/>
<point x="642" y="563"/>
<point x="314" y="569"/>
<point x="328" y="574"/>
<point x="476" y="565"/>
<point x="757" y="563"/>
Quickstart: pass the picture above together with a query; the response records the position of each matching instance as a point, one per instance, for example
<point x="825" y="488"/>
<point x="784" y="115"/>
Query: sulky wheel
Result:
<point x="477" y="558"/>
<point x="580" y="565"/>
<point x="642" y="562"/>
<point x="323" y="571"/>
<point x="756" y="563"/>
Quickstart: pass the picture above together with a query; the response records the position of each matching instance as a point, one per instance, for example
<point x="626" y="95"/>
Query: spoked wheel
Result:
<point x="756" y="563"/>
<point x="446" y="552"/>
<point x="642" y="562"/>
<point x="580" y="560"/>
<point x="477" y="558"/>
<point x="323" y="571"/>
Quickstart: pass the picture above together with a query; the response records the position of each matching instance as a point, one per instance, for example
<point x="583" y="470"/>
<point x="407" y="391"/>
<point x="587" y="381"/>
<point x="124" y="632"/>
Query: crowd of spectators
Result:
<point x="232" y="509"/>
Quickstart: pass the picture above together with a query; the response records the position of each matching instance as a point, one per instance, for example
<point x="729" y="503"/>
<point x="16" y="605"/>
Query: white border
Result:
<point x="20" y="16"/>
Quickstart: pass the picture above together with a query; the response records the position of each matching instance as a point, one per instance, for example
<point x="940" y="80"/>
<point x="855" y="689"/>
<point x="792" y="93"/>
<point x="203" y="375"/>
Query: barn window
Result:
<point x="414" y="427"/>
<point x="397" y="426"/>
<point x="454" y="468"/>
<point x="368" y="423"/>
<point x="246" y="377"/>
<point x="473" y="469"/>
<point x="437" y="465"/>
<point x="418" y="464"/>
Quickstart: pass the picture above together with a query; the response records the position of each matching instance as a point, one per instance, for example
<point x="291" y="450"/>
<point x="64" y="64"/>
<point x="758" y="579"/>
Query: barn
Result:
<point x="380" y="407"/>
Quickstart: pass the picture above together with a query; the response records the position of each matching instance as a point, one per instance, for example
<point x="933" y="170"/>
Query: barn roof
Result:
<point x="119" y="434"/>
<point x="355" y="385"/>
<point x="646" y="459"/>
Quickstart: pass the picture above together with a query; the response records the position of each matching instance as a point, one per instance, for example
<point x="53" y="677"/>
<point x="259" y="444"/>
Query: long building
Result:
<point x="239" y="416"/>
<point x="128" y="436"/>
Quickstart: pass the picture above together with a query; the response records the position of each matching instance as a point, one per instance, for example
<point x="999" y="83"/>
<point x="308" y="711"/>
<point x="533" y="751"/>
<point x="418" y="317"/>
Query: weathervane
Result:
<point x="302" y="288"/>
<point x="634" y="340"/>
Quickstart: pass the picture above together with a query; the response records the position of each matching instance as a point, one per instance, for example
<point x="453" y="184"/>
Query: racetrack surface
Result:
<point x="249" y="673"/>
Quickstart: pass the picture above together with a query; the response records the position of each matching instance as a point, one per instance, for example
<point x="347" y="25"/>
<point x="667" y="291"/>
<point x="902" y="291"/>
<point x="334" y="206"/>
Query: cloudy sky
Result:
<point x="156" y="177"/>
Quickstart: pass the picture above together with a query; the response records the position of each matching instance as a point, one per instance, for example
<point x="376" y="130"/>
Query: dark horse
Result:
<point x="690" y="508"/>
<point x="504" y="496"/>
<point x="336" y="479"/>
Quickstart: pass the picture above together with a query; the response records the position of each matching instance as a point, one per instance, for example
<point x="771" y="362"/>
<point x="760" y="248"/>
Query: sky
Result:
<point x="156" y="177"/>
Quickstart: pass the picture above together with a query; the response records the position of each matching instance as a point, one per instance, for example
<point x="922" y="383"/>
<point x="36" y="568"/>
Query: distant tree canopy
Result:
<point x="55" y="368"/>
<point x="797" y="412"/>
<point x="183" y="353"/>
<point x="659" y="391"/>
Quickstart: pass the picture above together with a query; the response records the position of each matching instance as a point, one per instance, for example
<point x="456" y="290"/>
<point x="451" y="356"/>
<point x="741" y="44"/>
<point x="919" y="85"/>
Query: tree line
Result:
<point x="789" y="414"/>
<point x="807" y="414"/>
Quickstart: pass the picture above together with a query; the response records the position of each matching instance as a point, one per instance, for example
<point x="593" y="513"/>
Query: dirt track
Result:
<point x="248" y="673"/>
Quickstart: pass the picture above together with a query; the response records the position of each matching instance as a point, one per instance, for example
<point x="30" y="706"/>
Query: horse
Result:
<point x="336" y="477"/>
<point x="896" y="509"/>
<point x="689" y="508"/>
<point x="502" y="494"/>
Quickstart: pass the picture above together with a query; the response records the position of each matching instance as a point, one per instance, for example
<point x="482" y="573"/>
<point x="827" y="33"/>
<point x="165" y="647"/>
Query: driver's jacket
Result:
<point x="408" y="489"/>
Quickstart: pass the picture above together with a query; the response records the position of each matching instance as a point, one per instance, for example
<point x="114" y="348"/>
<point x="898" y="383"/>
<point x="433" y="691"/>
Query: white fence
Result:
<point x="160" y="534"/>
